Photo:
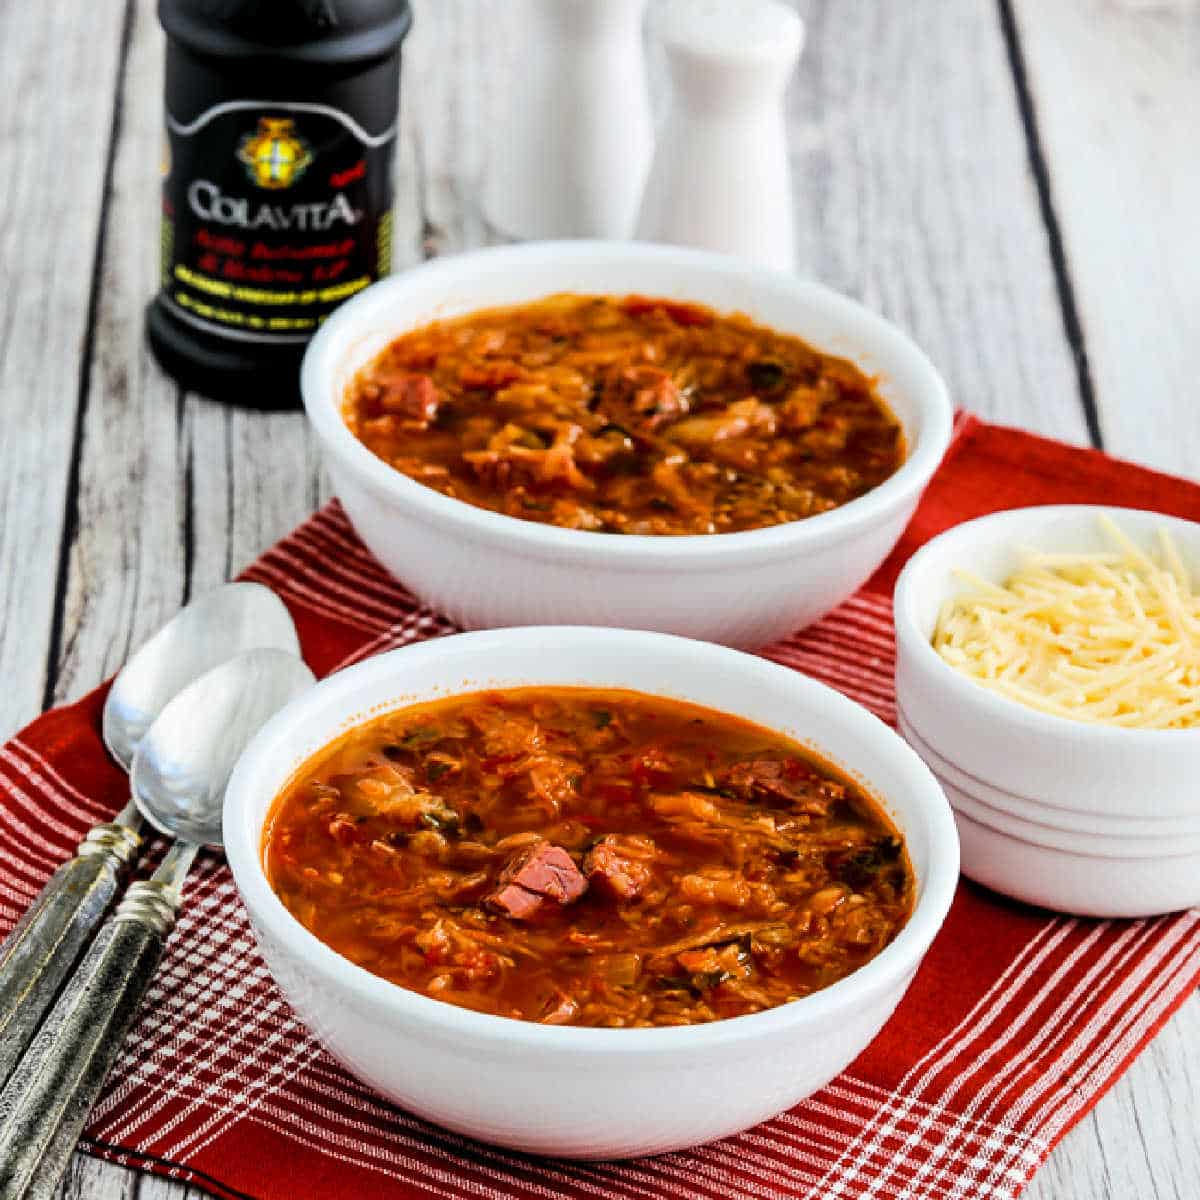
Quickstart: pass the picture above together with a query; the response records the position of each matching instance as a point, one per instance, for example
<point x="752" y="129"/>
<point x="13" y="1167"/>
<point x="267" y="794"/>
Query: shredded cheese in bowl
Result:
<point x="1111" y="638"/>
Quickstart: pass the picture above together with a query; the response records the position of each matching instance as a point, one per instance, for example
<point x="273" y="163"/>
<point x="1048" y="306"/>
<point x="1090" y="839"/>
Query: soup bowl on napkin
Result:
<point x="484" y="569"/>
<point x="580" y="1091"/>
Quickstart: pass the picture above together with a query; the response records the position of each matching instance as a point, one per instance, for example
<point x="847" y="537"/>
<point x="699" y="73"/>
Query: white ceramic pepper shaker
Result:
<point x="569" y="151"/>
<point x="720" y="177"/>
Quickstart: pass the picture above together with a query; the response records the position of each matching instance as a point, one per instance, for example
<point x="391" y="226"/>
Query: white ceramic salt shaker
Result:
<point x="720" y="177"/>
<point x="569" y="150"/>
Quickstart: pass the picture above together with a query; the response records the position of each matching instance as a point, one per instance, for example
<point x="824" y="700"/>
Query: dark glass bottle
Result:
<point x="277" y="182"/>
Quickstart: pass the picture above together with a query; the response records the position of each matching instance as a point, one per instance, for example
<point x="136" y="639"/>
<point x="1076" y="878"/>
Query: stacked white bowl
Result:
<point x="1085" y="818"/>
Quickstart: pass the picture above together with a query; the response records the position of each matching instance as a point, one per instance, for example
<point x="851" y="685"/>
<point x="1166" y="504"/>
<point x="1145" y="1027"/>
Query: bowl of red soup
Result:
<point x="584" y="891"/>
<point x="620" y="434"/>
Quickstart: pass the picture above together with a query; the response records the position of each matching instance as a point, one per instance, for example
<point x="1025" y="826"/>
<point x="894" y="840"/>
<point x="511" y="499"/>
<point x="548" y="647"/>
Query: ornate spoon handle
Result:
<point x="45" y="1105"/>
<point x="48" y="939"/>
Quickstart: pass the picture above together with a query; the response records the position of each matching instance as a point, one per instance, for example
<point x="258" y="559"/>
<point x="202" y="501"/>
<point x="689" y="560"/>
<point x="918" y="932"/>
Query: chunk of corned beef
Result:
<point x="535" y="874"/>
<point x="516" y="902"/>
<point x="413" y="397"/>
<point x="792" y="783"/>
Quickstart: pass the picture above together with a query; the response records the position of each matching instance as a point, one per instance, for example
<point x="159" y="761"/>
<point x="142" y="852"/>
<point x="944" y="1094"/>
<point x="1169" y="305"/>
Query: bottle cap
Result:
<point x="304" y="31"/>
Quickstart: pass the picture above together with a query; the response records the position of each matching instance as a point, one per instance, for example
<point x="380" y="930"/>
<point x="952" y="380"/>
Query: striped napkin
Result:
<point x="1016" y="1024"/>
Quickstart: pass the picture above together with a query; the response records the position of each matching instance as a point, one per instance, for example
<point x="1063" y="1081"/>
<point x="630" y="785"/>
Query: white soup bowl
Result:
<point x="484" y="569"/>
<point x="588" y="1092"/>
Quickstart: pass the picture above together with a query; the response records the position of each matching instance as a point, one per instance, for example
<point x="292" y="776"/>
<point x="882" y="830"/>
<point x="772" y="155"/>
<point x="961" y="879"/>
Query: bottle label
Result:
<point x="273" y="214"/>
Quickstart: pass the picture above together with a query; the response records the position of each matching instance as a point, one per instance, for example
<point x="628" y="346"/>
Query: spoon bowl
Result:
<point x="214" y="627"/>
<point x="184" y="762"/>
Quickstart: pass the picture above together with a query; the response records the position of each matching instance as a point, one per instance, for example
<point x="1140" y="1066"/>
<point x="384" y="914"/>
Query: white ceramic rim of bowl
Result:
<point x="1038" y="812"/>
<point x="887" y="969"/>
<point x="1051" y="879"/>
<point x="991" y="811"/>
<point x="964" y="689"/>
<point x="324" y="410"/>
<point x="967" y="804"/>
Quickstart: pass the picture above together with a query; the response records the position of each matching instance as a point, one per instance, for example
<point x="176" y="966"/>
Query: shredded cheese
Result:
<point x="1111" y="638"/>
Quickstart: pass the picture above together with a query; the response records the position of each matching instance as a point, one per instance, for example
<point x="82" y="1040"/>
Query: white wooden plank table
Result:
<point x="1014" y="181"/>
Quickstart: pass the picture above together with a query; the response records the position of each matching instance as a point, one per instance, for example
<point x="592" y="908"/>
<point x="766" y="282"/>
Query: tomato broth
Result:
<point x="625" y="415"/>
<point x="587" y="857"/>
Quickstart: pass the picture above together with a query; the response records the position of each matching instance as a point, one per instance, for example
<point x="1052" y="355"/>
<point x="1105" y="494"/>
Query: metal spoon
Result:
<point x="179" y="777"/>
<point x="38" y="953"/>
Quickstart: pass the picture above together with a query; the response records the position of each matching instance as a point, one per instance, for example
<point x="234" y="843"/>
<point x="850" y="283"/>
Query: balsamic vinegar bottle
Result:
<point x="277" y="182"/>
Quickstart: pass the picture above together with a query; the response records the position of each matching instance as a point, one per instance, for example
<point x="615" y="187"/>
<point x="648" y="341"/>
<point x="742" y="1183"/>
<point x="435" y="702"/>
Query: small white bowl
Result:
<point x="1069" y="881"/>
<point x="484" y="569"/>
<point x="1097" y="831"/>
<point x="1066" y="790"/>
<point x="589" y="1093"/>
<point x="1091" y="874"/>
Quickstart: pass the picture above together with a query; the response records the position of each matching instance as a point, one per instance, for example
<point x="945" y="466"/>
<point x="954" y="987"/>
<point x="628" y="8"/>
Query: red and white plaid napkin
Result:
<point x="1017" y="1021"/>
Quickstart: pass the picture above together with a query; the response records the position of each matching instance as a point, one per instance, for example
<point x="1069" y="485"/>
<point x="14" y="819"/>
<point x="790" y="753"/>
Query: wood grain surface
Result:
<point x="51" y="237"/>
<point x="1117" y="93"/>
<point x="1013" y="181"/>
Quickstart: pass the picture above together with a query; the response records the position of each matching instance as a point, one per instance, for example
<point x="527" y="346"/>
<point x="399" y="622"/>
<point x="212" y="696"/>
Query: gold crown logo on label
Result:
<point x="274" y="155"/>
